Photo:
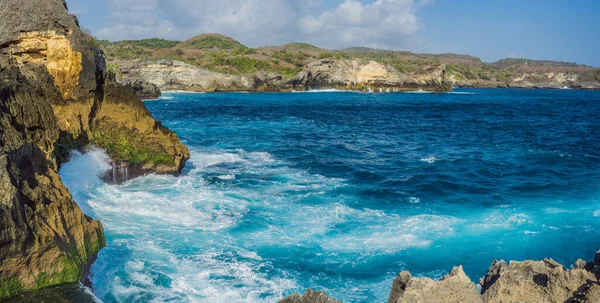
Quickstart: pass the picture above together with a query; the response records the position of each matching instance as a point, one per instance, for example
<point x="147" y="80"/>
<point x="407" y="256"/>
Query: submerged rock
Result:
<point x="55" y="96"/>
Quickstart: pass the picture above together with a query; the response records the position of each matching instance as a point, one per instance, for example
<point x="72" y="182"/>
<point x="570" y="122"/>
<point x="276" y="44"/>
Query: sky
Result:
<point x="563" y="30"/>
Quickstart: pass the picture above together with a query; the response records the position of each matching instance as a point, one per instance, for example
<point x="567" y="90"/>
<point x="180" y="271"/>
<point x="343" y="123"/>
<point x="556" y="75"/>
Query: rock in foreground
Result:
<point x="515" y="282"/>
<point x="454" y="287"/>
<point x="310" y="296"/>
<point x="55" y="96"/>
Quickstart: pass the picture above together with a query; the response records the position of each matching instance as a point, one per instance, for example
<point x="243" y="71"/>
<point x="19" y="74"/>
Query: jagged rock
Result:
<point x="143" y="89"/>
<point x="176" y="75"/>
<point x="532" y="281"/>
<point x="310" y="296"/>
<point x="529" y="80"/>
<point x="364" y="74"/>
<point x="55" y="96"/>
<point x="45" y="239"/>
<point x="454" y="287"/>
<point x="322" y="74"/>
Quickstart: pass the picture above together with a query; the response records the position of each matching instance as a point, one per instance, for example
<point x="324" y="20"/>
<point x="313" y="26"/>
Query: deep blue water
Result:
<point x="342" y="191"/>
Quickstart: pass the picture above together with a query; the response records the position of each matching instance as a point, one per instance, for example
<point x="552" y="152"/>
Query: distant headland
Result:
<point x="213" y="62"/>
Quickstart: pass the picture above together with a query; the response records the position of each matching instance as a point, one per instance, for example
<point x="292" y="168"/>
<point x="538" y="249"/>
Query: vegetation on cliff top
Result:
<point x="223" y="54"/>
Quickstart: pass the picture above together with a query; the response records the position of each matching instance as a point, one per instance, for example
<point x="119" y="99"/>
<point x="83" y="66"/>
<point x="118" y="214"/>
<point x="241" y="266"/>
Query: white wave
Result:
<point x="208" y="238"/>
<point x="203" y="160"/>
<point x="461" y="93"/>
<point x="429" y="160"/>
<point x="328" y="90"/>
<point x="414" y="200"/>
<point x="419" y="91"/>
<point x="181" y="92"/>
<point x="504" y="219"/>
<point x="88" y="291"/>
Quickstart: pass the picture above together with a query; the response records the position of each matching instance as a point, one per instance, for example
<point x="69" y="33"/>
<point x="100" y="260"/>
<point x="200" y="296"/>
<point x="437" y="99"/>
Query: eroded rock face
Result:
<point x="322" y="74"/>
<point x="55" y="96"/>
<point x="532" y="281"/>
<point x="545" y="80"/>
<point x="454" y="287"/>
<point x="176" y="75"/>
<point x="364" y="74"/>
<point x="514" y="282"/>
<point x="45" y="239"/>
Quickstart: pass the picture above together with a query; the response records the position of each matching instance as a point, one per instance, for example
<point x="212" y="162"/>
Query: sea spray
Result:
<point x="336" y="191"/>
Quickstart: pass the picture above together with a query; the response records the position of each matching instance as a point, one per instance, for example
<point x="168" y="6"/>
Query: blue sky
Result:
<point x="491" y="30"/>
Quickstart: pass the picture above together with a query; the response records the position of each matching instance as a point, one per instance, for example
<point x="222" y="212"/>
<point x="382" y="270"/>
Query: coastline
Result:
<point x="59" y="96"/>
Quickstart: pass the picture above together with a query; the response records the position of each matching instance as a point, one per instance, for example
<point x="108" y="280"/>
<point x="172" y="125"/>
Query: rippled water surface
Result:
<point x="342" y="191"/>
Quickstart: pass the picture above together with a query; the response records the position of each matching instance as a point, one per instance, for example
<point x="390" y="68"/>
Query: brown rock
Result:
<point x="532" y="281"/>
<point x="55" y="96"/>
<point x="310" y="296"/>
<point x="454" y="287"/>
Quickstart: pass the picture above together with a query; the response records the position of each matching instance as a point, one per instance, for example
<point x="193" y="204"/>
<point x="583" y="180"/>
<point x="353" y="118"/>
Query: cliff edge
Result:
<point x="55" y="96"/>
<point x="361" y="75"/>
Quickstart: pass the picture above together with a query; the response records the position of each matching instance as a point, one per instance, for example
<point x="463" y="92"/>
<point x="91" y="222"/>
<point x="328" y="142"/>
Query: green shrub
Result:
<point x="215" y="42"/>
<point x="246" y="65"/>
<point x="154" y="43"/>
<point x="325" y="55"/>
<point x="288" y="72"/>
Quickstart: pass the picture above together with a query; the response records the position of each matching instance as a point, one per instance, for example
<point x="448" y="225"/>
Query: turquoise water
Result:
<point x="342" y="191"/>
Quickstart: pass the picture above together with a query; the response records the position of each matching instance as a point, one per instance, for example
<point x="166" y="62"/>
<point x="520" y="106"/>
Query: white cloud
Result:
<point x="380" y="23"/>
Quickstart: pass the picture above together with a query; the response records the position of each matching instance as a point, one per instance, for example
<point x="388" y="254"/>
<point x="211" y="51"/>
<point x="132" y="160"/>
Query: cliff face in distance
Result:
<point x="213" y="62"/>
<point x="363" y="75"/>
<point x="55" y="96"/>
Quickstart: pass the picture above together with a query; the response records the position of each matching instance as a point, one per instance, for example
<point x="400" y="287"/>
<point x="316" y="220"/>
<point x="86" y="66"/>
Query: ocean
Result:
<point x="341" y="191"/>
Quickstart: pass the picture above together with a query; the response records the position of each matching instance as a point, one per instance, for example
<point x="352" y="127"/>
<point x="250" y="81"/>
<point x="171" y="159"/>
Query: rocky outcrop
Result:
<point x="367" y="75"/>
<point x="176" y="75"/>
<point x="530" y="80"/>
<point x="454" y="287"/>
<point x="535" y="281"/>
<point x="310" y="296"/>
<point x="515" y="282"/>
<point x="322" y="74"/>
<point x="55" y="96"/>
<point x="143" y="89"/>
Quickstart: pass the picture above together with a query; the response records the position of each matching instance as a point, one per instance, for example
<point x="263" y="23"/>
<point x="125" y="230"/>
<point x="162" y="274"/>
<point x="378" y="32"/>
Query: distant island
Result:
<point x="213" y="62"/>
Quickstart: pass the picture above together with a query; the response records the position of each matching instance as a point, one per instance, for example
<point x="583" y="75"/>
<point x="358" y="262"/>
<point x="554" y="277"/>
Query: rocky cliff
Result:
<point x="527" y="80"/>
<point x="368" y="75"/>
<point x="322" y="74"/>
<point x="515" y="282"/>
<point x="55" y="96"/>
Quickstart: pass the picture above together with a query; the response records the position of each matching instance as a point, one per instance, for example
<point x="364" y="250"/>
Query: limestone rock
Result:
<point x="364" y="74"/>
<point x="532" y="281"/>
<point x="322" y="74"/>
<point x="455" y="287"/>
<point x="142" y="89"/>
<point x="55" y="96"/>
<point x="310" y="296"/>
<point x="176" y="75"/>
